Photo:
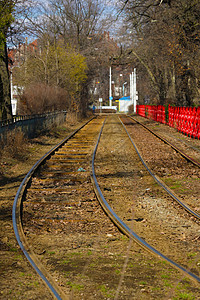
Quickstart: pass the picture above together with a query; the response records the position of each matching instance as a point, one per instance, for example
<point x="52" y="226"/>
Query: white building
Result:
<point x="124" y="103"/>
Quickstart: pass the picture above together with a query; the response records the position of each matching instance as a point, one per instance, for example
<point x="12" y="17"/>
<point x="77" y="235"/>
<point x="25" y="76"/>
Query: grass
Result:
<point x="51" y="252"/>
<point x="75" y="286"/>
<point x="75" y="254"/>
<point x="167" y="283"/>
<point x="192" y="254"/>
<point x="184" y="296"/>
<point x="92" y="265"/>
<point x="163" y="262"/>
<point x="105" y="291"/>
<point x="12" y="249"/>
<point x="175" y="185"/>
<point x="184" y="284"/>
<point x="143" y="283"/>
<point x="18" y="257"/>
<point x="131" y="265"/>
<point x="124" y="237"/>
<point x="165" y="276"/>
<point x="65" y="261"/>
<point x="14" y="145"/>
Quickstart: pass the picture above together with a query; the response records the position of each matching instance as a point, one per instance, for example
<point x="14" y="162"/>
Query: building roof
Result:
<point x="127" y="98"/>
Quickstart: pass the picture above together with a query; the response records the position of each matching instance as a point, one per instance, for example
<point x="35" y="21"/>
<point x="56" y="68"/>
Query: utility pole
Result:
<point x="110" y="89"/>
<point x="131" y="88"/>
<point x="135" y="93"/>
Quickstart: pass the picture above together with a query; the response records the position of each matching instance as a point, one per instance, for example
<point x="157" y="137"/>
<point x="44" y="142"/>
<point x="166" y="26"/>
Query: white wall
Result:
<point x="124" y="105"/>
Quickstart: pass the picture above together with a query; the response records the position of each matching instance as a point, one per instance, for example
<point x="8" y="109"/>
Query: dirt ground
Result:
<point x="94" y="260"/>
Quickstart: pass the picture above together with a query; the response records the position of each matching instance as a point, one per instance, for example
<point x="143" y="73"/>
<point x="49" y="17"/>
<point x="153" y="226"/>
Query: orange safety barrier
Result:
<point x="184" y="119"/>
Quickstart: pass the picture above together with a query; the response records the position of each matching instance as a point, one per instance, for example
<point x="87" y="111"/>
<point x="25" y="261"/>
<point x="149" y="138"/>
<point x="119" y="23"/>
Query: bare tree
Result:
<point x="13" y="16"/>
<point x="6" y="8"/>
<point x="167" y="45"/>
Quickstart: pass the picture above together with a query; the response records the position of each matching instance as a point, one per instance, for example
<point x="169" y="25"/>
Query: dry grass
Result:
<point x="15" y="148"/>
<point x="71" y="118"/>
<point x="13" y="144"/>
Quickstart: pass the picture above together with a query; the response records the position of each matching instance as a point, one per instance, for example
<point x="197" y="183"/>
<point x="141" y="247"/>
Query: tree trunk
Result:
<point x="5" y="94"/>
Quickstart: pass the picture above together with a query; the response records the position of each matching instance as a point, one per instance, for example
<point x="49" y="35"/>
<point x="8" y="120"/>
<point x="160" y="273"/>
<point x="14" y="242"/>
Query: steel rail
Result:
<point x="124" y="228"/>
<point x="161" y="183"/>
<point x="180" y="140"/>
<point x="193" y="161"/>
<point x="17" y="222"/>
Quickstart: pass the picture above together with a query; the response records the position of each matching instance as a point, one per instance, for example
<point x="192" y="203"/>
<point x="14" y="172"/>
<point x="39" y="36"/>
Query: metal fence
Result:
<point x="31" y="126"/>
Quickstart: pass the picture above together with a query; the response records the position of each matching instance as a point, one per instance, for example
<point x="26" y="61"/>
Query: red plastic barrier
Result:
<point x="160" y="117"/>
<point x="140" y="109"/>
<point x="184" y="119"/>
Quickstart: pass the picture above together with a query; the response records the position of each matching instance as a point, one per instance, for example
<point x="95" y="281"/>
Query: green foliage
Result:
<point x="67" y="66"/>
<point x="75" y="286"/>
<point x="6" y="8"/>
<point x="6" y="18"/>
<point x="184" y="296"/>
<point x="56" y="66"/>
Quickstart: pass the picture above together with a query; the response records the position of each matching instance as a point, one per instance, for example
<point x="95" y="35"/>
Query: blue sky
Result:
<point x="110" y="13"/>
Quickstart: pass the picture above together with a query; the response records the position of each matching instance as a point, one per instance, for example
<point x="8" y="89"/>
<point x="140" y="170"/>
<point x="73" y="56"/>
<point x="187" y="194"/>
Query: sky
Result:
<point x="110" y="13"/>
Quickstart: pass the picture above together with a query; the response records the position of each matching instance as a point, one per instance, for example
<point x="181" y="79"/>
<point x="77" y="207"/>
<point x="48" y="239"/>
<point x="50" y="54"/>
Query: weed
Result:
<point x="184" y="284"/>
<point x="156" y="288"/>
<point x="184" y="296"/>
<point x="105" y="291"/>
<point x="124" y="237"/>
<point x="143" y="283"/>
<point x="12" y="249"/>
<point x="115" y="265"/>
<point x="65" y="261"/>
<point x="51" y="252"/>
<point x="75" y="286"/>
<point x="192" y="254"/>
<point x="92" y="265"/>
<point x="175" y="185"/>
<point x="67" y="273"/>
<point x="165" y="276"/>
<point x="163" y="262"/>
<point x="167" y="283"/>
<point x="18" y="257"/>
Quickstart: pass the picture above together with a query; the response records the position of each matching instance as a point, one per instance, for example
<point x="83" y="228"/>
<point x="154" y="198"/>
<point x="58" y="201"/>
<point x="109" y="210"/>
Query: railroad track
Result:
<point x="191" y="161"/>
<point x="187" y="157"/>
<point x="178" y="141"/>
<point x="123" y="226"/>
<point x="52" y="194"/>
